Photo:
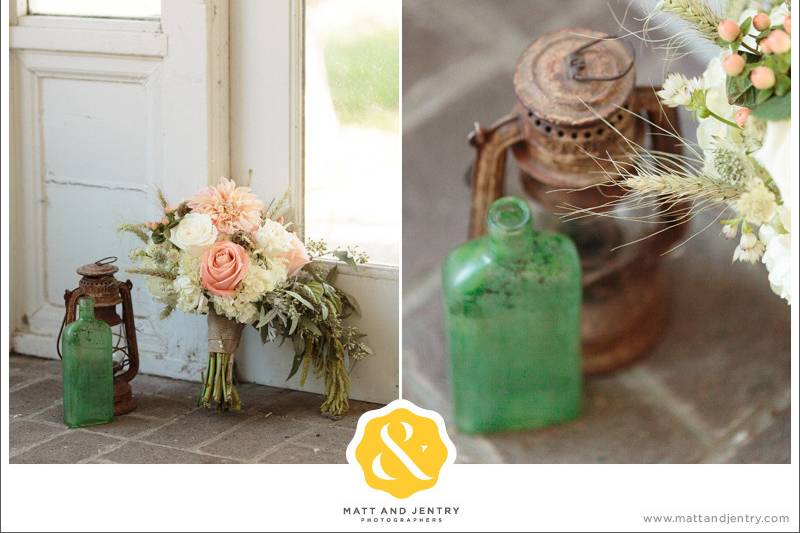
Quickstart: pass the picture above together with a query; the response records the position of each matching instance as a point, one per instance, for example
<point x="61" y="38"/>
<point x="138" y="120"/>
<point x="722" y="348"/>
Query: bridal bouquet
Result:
<point x="224" y="254"/>
<point x="743" y="106"/>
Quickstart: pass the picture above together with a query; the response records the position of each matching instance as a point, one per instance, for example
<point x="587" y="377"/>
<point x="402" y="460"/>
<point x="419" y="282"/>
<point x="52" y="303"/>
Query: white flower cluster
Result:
<point x="258" y="281"/>
<point x="764" y="209"/>
<point x="677" y="90"/>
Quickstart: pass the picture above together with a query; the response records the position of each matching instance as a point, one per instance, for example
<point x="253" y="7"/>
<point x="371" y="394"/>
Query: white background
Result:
<point x="311" y="497"/>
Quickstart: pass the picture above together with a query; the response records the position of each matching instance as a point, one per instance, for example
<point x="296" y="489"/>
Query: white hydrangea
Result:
<point x="273" y="239"/>
<point x="191" y="297"/>
<point x="258" y="281"/>
<point x="778" y="253"/>
<point x="161" y="290"/>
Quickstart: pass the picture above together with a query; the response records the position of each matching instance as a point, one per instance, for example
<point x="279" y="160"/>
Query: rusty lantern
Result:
<point x="98" y="281"/>
<point x="575" y="88"/>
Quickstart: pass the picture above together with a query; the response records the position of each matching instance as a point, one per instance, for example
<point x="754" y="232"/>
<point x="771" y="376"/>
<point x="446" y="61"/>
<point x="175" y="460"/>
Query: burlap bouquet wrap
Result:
<point x="219" y="388"/>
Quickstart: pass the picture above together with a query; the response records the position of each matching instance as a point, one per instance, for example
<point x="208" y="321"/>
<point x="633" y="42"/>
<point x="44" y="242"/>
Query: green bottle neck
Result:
<point x="511" y="232"/>
<point x="86" y="309"/>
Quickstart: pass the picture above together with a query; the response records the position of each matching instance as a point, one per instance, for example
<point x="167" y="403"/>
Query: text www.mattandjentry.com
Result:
<point x="723" y="518"/>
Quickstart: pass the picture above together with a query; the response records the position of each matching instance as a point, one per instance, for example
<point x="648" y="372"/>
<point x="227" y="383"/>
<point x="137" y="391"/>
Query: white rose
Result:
<point x="273" y="239"/>
<point x="194" y="233"/>
<point x="775" y="155"/>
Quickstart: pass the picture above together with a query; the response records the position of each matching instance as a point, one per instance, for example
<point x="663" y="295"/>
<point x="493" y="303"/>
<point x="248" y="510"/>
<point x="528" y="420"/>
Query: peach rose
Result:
<point x="223" y="267"/>
<point x="297" y="257"/>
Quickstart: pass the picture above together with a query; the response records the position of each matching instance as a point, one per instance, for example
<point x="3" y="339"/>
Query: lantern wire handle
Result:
<point x="575" y="62"/>
<point x="106" y="260"/>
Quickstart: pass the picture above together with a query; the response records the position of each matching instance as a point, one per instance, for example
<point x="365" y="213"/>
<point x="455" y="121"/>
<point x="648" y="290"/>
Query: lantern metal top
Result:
<point x="101" y="267"/>
<point x="570" y="76"/>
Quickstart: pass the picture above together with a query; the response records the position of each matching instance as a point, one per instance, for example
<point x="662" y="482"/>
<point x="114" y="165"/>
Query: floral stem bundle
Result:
<point x="224" y="254"/>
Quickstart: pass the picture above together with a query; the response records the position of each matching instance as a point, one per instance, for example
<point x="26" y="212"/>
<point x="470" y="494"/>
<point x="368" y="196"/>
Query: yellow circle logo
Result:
<point x="401" y="448"/>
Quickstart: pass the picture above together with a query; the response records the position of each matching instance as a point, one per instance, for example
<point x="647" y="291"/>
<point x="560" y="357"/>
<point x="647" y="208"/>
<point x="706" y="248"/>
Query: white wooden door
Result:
<point x="104" y="111"/>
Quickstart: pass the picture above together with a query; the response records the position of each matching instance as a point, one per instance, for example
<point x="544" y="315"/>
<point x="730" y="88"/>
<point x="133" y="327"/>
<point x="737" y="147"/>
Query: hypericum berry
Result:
<point x="762" y="77"/>
<point x="779" y="41"/>
<point x="787" y="24"/>
<point x="761" y="21"/>
<point x="741" y="116"/>
<point x="728" y="30"/>
<point x="733" y="64"/>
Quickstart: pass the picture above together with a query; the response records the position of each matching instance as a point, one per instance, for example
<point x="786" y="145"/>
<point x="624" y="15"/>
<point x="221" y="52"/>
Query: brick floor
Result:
<point x="716" y="389"/>
<point x="276" y="426"/>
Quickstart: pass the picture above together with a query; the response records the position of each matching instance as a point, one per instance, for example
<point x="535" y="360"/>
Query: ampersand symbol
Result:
<point x="401" y="452"/>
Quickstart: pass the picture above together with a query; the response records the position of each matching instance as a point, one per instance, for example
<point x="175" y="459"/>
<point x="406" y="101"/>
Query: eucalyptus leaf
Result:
<point x="345" y="257"/>
<point x="310" y="326"/>
<point x="300" y="299"/>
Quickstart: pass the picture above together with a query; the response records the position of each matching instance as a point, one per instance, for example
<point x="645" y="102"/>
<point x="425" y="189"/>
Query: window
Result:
<point x="139" y="9"/>
<point x="352" y="125"/>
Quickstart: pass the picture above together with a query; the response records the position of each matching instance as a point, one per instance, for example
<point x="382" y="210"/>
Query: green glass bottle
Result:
<point x="87" y="367"/>
<point x="512" y="313"/>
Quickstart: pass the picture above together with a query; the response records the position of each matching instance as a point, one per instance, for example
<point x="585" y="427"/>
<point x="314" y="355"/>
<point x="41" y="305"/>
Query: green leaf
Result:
<point x="300" y="299"/>
<point x="763" y="95"/>
<point x="309" y="294"/>
<point x="352" y="301"/>
<point x="316" y="288"/>
<point x="741" y="91"/>
<point x="782" y="62"/>
<point x="299" y="344"/>
<point x="293" y="326"/>
<point x="744" y="27"/>
<point x="776" y="108"/>
<point x="783" y="84"/>
<point x="298" y="358"/>
<point x="310" y="326"/>
<point x="266" y="318"/>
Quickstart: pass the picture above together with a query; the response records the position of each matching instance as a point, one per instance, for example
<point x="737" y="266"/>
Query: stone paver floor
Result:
<point x="276" y="425"/>
<point x="716" y="389"/>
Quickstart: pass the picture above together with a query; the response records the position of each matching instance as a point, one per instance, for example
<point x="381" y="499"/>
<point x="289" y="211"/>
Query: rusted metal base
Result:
<point x="124" y="401"/>
<point x="623" y="326"/>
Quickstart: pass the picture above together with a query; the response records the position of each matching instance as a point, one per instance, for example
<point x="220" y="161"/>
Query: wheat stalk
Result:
<point x="154" y="272"/>
<point x="698" y="13"/>
<point x="135" y="229"/>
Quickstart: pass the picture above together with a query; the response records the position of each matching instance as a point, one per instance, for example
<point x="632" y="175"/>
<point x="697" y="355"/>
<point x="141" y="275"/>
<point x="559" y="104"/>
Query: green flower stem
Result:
<point x="723" y="120"/>
<point x="218" y="383"/>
